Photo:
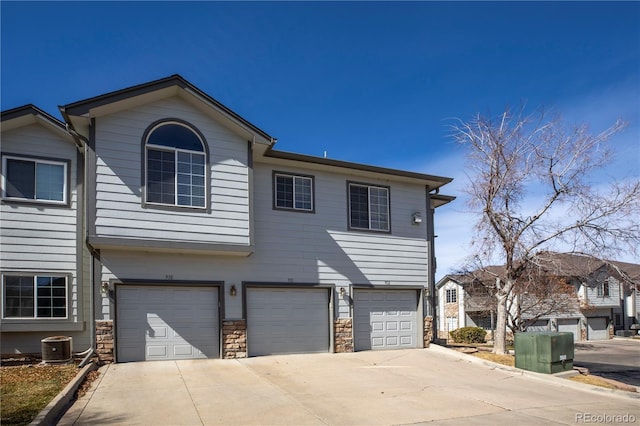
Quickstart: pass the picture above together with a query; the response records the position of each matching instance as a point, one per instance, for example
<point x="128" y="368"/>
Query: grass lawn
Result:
<point x="27" y="389"/>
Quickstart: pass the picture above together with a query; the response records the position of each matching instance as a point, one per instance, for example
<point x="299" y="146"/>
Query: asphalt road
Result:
<point x="617" y="359"/>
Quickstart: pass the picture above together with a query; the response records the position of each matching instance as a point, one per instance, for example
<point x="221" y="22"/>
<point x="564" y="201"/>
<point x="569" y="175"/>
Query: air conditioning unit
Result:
<point x="56" y="349"/>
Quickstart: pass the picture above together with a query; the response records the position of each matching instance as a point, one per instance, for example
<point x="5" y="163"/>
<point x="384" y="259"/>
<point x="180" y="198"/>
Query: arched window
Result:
<point x="176" y="159"/>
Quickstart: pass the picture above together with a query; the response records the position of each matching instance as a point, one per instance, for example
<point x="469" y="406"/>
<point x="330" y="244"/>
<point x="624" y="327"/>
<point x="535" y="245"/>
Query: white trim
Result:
<point x="34" y="276"/>
<point x="388" y="210"/>
<point x="175" y="151"/>
<point x="293" y="184"/>
<point x="36" y="161"/>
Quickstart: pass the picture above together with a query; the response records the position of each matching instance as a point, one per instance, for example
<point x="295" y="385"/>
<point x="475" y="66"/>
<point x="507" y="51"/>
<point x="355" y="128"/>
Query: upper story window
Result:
<point x="451" y="295"/>
<point x="176" y="160"/>
<point x="293" y="192"/>
<point x="34" y="296"/>
<point x="603" y="289"/>
<point x="368" y="207"/>
<point x="34" y="179"/>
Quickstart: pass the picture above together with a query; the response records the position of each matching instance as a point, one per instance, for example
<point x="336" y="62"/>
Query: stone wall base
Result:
<point x="428" y="331"/>
<point x="234" y="339"/>
<point x="343" y="335"/>
<point x="104" y="340"/>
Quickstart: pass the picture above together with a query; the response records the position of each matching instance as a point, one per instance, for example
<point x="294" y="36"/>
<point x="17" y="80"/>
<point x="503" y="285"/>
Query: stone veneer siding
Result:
<point x="428" y="331"/>
<point x="104" y="340"/>
<point x="234" y="339"/>
<point x="343" y="335"/>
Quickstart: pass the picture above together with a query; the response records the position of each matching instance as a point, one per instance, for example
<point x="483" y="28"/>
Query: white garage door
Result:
<point x="570" y="325"/>
<point x="287" y="320"/>
<point x="539" y="325"/>
<point x="385" y="319"/>
<point x="597" y="329"/>
<point x="161" y="323"/>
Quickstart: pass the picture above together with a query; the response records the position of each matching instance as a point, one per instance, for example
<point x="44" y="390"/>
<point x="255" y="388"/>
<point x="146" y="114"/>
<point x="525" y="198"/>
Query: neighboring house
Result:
<point x="597" y="298"/>
<point x="207" y="242"/>
<point x="43" y="259"/>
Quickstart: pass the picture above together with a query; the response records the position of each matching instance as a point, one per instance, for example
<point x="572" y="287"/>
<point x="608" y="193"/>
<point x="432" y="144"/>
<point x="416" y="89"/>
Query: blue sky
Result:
<point x="376" y="83"/>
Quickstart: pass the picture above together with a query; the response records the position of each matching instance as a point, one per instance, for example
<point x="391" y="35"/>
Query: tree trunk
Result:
<point x="500" y="337"/>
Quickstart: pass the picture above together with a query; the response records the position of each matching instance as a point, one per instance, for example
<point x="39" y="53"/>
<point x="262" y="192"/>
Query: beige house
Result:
<point x="597" y="298"/>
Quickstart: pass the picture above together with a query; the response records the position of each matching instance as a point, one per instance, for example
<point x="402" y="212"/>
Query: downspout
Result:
<point x="82" y="143"/>
<point x="431" y="278"/>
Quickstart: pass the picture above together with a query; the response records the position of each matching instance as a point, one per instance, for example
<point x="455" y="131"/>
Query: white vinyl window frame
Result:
<point x="36" y="295"/>
<point x="604" y="289"/>
<point x="302" y="192"/>
<point x="378" y="215"/>
<point x="177" y="174"/>
<point x="37" y="161"/>
<point x="451" y="295"/>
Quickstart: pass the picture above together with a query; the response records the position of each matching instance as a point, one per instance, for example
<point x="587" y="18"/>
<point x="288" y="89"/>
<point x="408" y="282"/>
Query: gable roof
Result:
<point x="583" y="266"/>
<point x="101" y="102"/>
<point x="560" y="264"/>
<point x="30" y="110"/>
<point x="31" y="114"/>
<point x="75" y="112"/>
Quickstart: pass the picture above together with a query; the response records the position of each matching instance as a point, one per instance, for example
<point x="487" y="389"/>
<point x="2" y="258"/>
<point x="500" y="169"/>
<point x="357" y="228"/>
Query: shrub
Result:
<point x="468" y="335"/>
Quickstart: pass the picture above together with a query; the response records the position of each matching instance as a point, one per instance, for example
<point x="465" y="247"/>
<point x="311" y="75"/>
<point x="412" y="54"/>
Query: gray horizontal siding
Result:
<point x="39" y="237"/>
<point x="603" y="301"/>
<point x="42" y="239"/>
<point x="292" y="247"/>
<point x="119" y="211"/>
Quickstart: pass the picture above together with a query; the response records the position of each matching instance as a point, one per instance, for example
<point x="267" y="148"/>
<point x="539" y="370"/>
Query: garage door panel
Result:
<point x="597" y="329"/>
<point x="569" y="325"/>
<point x="287" y="320"/>
<point x="385" y="319"/>
<point x="159" y="323"/>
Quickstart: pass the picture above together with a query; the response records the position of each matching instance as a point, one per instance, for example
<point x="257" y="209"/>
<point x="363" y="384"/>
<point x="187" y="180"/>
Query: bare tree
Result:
<point x="530" y="183"/>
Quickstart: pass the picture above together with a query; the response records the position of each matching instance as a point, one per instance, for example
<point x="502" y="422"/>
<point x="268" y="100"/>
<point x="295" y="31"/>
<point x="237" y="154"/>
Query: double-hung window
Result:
<point x="176" y="161"/>
<point x="34" y="296"/>
<point x="368" y="207"/>
<point x="34" y="179"/>
<point x="293" y="192"/>
<point x="452" y="295"/>
<point x="603" y="289"/>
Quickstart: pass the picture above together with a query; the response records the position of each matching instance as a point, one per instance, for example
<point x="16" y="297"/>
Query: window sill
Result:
<point x="174" y="208"/>
<point x="371" y="231"/>
<point x="26" y="202"/>
<point x="23" y="325"/>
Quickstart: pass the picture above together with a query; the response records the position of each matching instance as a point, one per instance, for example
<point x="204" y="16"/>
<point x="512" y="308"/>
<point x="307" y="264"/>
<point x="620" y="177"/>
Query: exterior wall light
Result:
<point x="342" y="291"/>
<point x="104" y="288"/>
<point x="232" y="290"/>
<point x="417" y="218"/>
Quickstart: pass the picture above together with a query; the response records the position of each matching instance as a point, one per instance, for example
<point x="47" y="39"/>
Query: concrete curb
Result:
<point x="560" y="378"/>
<point x="55" y="409"/>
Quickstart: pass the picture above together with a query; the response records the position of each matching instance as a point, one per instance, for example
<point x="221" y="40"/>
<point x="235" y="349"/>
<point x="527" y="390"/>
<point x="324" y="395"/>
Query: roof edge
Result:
<point x="31" y="109"/>
<point x="358" y="166"/>
<point x="82" y="107"/>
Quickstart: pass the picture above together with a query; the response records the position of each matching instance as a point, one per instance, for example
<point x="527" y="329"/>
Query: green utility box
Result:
<point x="544" y="352"/>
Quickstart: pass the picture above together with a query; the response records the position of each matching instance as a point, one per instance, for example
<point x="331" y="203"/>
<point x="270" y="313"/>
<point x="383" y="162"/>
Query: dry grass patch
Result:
<point x="508" y="360"/>
<point x="26" y="390"/>
<point x="593" y="380"/>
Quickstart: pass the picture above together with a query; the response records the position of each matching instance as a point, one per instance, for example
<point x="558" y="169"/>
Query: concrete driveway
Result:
<point x="618" y="359"/>
<point x="373" y="388"/>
